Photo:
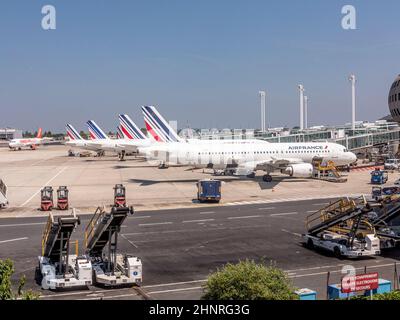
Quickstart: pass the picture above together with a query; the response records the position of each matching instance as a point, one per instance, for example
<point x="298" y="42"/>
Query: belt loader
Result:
<point x="59" y="269"/>
<point x="342" y="229"/>
<point x="110" y="268"/>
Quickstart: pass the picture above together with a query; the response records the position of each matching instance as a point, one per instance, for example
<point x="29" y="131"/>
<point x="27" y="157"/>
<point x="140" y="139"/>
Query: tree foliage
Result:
<point x="394" y="295"/>
<point x="6" y="291"/>
<point x="249" y="280"/>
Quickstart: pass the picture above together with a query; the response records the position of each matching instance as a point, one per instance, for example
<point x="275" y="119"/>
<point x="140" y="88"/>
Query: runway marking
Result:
<point x="311" y="211"/>
<point x="47" y="183"/>
<point x="22" y="224"/>
<point x="194" y="221"/>
<point x="154" y="224"/>
<point x="283" y="214"/>
<point x="140" y="217"/>
<point x="321" y="204"/>
<point x="173" y="284"/>
<point x="244" y="217"/>
<point x="12" y="240"/>
<point x="270" y="208"/>
<point x="130" y="242"/>
<point x="207" y="212"/>
<point x="174" y="290"/>
<point x="292" y="233"/>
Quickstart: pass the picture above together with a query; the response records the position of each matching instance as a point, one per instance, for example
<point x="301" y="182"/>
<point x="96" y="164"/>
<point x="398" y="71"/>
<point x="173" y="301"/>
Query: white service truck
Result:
<point x="341" y="246"/>
<point x="3" y="194"/>
<point x="78" y="273"/>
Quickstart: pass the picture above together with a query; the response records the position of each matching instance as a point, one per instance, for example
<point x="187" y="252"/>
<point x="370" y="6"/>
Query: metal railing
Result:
<point x="90" y="228"/>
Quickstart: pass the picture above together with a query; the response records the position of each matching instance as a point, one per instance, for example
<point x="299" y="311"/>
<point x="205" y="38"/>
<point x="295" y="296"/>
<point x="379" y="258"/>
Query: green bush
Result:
<point x="6" y="292"/>
<point x="248" y="280"/>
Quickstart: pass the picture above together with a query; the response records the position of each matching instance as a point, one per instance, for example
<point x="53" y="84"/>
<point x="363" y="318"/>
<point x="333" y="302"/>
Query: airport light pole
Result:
<point x="353" y="80"/>
<point x="301" y="90"/>
<point x="306" y="112"/>
<point x="263" y="103"/>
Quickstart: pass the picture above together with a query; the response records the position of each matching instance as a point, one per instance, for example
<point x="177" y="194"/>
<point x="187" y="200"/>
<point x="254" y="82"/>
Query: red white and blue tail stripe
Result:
<point x="129" y="129"/>
<point x="157" y="126"/>
<point x="72" y="133"/>
<point x="95" y="131"/>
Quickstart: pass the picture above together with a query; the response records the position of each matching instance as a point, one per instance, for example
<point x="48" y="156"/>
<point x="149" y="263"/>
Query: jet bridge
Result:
<point x="58" y="268"/>
<point x="101" y="240"/>
<point x="341" y="227"/>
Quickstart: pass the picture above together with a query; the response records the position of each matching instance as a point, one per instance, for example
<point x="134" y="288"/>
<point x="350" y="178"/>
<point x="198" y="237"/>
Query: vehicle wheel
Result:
<point x="267" y="178"/>
<point x="310" y="244"/>
<point x="337" y="253"/>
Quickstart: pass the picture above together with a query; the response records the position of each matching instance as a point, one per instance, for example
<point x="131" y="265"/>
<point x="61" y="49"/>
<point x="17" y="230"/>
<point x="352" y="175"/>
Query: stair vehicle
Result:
<point x="342" y="228"/>
<point x="110" y="268"/>
<point x="3" y="194"/>
<point x="209" y="190"/>
<point x="58" y="268"/>
<point x="62" y="198"/>
<point x="327" y="171"/>
<point x="119" y="196"/>
<point x="46" y="199"/>
<point x="379" y="177"/>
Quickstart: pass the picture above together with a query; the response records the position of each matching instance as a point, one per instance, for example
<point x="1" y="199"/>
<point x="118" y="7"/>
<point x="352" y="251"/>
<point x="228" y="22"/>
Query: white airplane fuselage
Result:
<point x="245" y="154"/>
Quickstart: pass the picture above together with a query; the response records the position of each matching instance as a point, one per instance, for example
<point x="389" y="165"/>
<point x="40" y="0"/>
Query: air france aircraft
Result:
<point x="242" y="158"/>
<point x="76" y="140"/>
<point x="18" y="144"/>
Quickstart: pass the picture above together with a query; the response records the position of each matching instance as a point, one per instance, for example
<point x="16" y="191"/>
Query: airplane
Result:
<point x="76" y="140"/>
<point x="18" y="144"/>
<point x="132" y="137"/>
<point x="239" y="157"/>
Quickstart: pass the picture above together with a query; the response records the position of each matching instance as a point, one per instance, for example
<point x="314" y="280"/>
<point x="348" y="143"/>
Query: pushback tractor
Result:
<point x="46" y="199"/>
<point x="59" y="269"/>
<point x="110" y="268"/>
<point x="62" y="198"/>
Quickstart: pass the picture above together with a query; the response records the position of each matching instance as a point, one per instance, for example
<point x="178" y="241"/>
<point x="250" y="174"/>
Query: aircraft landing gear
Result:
<point x="267" y="178"/>
<point x="121" y="155"/>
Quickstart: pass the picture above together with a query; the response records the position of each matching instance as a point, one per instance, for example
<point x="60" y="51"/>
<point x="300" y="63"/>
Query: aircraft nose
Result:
<point x="353" y="157"/>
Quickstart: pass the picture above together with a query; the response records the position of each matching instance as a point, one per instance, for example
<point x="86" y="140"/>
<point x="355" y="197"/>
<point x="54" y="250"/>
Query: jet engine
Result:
<point x="301" y="170"/>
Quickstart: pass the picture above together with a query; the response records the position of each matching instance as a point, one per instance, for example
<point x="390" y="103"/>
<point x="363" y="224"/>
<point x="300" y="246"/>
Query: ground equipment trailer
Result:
<point x="119" y="196"/>
<point x="59" y="269"/>
<point x="101" y="240"/>
<point x="3" y="194"/>
<point x="341" y="229"/>
<point x="62" y="198"/>
<point x="46" y="199"/>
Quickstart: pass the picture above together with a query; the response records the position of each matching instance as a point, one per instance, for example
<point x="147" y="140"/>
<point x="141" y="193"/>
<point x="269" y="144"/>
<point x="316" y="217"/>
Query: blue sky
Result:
<point x="201" y="63"/>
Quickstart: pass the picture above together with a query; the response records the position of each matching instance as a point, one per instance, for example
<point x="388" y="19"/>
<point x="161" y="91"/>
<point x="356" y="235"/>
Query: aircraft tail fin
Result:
<point x="157" y="126"/>
<point x="130" y="129"/>
<point x="72" y="133"/>
<point x="96" y="133"/>
<point x="39" y="133"/>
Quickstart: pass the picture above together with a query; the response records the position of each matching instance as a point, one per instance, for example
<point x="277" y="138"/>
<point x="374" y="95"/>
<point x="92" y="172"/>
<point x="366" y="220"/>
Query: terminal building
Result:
<point x="9" y="134"/>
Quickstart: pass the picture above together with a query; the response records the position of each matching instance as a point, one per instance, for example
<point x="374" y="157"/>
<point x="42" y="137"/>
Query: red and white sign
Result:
<point x="361" y="282"/>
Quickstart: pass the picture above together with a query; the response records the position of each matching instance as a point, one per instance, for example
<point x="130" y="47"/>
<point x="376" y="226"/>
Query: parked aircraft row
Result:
<point x="237" y="157"/>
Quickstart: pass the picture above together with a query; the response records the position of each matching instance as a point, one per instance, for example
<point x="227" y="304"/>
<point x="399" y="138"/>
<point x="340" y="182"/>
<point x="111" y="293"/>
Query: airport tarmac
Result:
<point x="91" y="181"/>
<point x="179" y="241"/>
